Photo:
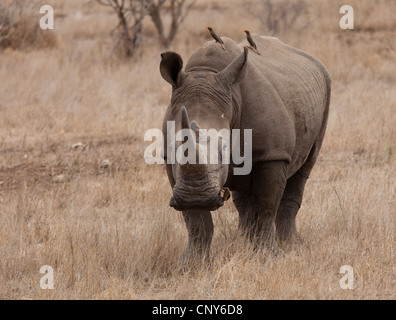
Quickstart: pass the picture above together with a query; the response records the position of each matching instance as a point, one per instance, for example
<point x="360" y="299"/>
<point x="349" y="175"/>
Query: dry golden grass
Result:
<point x="109" y="233"/>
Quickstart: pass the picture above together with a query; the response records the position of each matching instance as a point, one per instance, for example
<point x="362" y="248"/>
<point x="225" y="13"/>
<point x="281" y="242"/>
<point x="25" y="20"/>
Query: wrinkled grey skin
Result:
<point x="283" y="95"/>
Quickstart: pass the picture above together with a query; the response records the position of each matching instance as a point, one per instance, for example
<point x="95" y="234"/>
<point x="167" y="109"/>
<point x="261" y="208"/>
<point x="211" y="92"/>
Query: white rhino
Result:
<point x="283" y="95"/>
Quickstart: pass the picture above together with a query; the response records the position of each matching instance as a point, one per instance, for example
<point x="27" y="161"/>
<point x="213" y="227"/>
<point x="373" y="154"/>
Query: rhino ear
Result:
<point x="236" y="70"/>
<point x="171" y="68"/>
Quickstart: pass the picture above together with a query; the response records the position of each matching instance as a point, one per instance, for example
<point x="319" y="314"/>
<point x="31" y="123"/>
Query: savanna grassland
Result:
<point x="106" y="227"/>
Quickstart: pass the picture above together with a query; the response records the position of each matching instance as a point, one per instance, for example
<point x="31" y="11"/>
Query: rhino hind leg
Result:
<point x="291" y="200"/>
<point x="258" y="209"/>
<point x="290" y="204"/>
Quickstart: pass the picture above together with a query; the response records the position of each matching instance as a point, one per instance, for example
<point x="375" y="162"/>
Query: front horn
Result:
<point x="191" y="169"/>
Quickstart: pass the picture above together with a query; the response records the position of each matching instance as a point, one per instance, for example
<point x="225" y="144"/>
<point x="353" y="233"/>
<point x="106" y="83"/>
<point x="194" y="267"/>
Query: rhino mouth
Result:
<point x="182" y="202"/>
<point x="183" y="206"/>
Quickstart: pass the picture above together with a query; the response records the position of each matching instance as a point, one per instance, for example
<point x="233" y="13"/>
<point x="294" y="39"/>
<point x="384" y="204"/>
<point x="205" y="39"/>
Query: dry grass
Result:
<point x="109" y="233"/>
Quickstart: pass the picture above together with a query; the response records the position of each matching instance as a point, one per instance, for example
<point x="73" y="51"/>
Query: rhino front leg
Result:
<point x="200" y="228"/>
<point x="268" y="184"/>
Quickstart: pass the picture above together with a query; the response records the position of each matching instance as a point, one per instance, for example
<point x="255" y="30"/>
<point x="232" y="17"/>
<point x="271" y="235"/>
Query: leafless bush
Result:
<point x="19" y="26"/>
<point x="280" y="16"/>
<point x="178" y="10"/>
<point x="131" y="13"/>
<point x="129" y="31"/>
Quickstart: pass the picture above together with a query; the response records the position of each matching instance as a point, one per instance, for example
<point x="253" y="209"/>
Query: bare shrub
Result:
<point x="129" y="31"/>
<point x="19" y="26"/>
<point x="280" y="16"/>
<point x="131" y="13"/>
<point x="178" y="10"/>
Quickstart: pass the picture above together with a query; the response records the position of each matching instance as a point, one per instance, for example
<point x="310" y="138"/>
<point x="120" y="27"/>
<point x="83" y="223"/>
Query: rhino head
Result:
<point x="204" y="99"/>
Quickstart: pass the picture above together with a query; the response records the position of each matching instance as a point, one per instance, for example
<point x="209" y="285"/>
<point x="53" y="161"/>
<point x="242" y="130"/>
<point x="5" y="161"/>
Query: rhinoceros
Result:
<point x="283" y="96"/>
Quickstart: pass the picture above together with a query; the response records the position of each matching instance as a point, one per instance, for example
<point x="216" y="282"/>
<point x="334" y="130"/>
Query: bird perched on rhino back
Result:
<point x="216" y="37"/>
<point x="253" y="45"/>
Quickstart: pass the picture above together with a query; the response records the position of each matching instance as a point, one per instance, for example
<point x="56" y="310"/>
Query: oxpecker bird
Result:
<point x="216" y="37"/>
<point x="253" y="45"/>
